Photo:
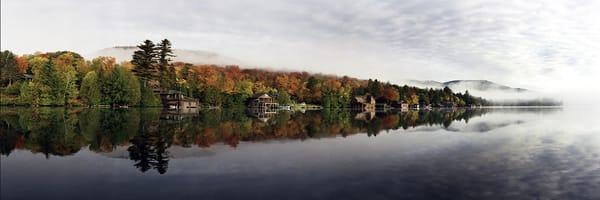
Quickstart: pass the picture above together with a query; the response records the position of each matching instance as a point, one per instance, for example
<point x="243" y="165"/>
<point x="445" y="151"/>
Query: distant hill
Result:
<point x="471" y="85"/>
<point x="124" y="53"/>
<point x="483" y="88"/>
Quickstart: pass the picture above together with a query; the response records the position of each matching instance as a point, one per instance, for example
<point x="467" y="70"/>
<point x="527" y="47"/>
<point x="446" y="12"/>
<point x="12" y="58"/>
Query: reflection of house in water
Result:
<point x="415" y="107"/>
<point x="263" y="107"/>
<point x="404" y="107"/>
<point x="173" y="99"/>
<point x="261" y="114"/>
<point x="365" y="116"/>
<point x="363" y="103"/>
<point x="383" y="107"/>
<point x="179" y="114"/>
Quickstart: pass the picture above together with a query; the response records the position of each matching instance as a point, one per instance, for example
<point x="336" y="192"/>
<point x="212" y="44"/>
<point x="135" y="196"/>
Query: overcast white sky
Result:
<point x="551" y="46"/>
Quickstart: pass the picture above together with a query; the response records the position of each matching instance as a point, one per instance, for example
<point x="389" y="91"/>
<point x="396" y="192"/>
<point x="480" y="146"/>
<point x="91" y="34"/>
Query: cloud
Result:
<point x="542" y="45"/>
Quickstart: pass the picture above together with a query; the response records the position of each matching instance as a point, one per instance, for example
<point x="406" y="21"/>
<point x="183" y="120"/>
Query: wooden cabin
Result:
<point x="404" y="106"/>
<point x="263" y="102"/>
<point x="174" y="99"/>
<point x="363" y="103"/>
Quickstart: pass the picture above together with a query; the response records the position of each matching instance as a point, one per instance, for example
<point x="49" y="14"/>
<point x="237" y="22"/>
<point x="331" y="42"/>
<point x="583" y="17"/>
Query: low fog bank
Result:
<point x="588" y="99"/>
<point x="497" y="93"/>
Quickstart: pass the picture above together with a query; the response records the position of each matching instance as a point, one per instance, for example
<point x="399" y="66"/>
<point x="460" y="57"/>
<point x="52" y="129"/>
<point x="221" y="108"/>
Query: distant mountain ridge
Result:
<point x="124" y="53"/>
<point x="471" y="85"/>
<point x="482" y="88"/>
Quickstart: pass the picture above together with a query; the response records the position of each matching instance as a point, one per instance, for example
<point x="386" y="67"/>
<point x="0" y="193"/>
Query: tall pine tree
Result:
<point x="51" y="90"/>
<point x="145" y="62"/>
<point x="164" y="55"/>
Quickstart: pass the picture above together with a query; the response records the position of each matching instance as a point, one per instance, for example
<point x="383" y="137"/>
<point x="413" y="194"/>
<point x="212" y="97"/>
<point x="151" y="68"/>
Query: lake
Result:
<point x="526" y="153"/>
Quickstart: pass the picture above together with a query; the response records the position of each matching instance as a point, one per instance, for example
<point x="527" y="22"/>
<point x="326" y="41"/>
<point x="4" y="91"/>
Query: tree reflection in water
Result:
<point x="148" y="133"/>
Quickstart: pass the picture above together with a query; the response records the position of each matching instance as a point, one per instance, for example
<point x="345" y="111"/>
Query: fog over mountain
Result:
<point x="124" y="53"/>
<point x="484" y="88"/>
<point x="479" y="85"/>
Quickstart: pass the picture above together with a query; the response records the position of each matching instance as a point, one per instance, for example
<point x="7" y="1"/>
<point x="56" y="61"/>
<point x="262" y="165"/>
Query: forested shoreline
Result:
<point x="65" y="78"/>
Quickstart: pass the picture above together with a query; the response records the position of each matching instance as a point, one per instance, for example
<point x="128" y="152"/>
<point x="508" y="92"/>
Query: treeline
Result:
<point x="65" y="78"/>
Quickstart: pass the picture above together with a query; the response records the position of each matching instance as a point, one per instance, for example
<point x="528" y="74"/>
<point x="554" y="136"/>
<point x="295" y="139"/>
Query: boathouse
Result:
<point x="174" y="99"/>
<point x="263" y="102"/>
<point x="363" y="103"/>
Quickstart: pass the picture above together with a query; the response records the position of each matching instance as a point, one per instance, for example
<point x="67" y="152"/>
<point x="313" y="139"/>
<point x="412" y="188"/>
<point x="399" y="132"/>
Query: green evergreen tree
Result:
<point x="148" y="97"/>
<point x="447" y="91"/>
<point x="171" y="78"/>
<point x="52" y="92"/>
<point x="467" y="98"/>
<point x="122" y="88"/>
<point x="375" y="88"/>
<point x="145" y="62"/>
<point x="166" y="71"/>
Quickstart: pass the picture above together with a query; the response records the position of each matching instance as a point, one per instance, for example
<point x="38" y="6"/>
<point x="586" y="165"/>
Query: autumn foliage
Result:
<point x="56" y="79"/>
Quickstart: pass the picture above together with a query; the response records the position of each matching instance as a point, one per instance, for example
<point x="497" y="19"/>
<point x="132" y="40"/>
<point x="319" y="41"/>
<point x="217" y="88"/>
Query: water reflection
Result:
<point x="148" y="133"/>
<point x="448" y="154"/>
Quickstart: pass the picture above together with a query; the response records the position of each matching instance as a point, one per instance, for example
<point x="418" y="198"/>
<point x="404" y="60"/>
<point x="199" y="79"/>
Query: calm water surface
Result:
<point x="56" y="153"/>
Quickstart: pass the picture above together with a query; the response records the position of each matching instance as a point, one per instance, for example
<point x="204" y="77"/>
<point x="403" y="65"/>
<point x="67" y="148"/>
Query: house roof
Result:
<point x="261" y="95"/>
<point x="364" y="99"/>
<point x="360" y="99"/>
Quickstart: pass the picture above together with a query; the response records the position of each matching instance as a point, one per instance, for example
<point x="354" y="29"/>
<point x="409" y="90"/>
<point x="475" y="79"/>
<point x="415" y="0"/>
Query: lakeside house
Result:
<point x="263" y="102"/>
<point x="404" y="106"/>
<point x="363" y="103"/>
<point x="262" y="106"/>
<point x="173" y="99"/>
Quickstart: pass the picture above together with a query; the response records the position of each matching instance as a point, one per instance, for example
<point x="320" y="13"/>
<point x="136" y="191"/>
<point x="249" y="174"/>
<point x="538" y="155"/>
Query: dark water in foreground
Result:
<point x="55" y="153"/>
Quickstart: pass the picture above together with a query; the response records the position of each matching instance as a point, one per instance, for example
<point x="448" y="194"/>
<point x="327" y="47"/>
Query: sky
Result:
<point x="549" y="46"/>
